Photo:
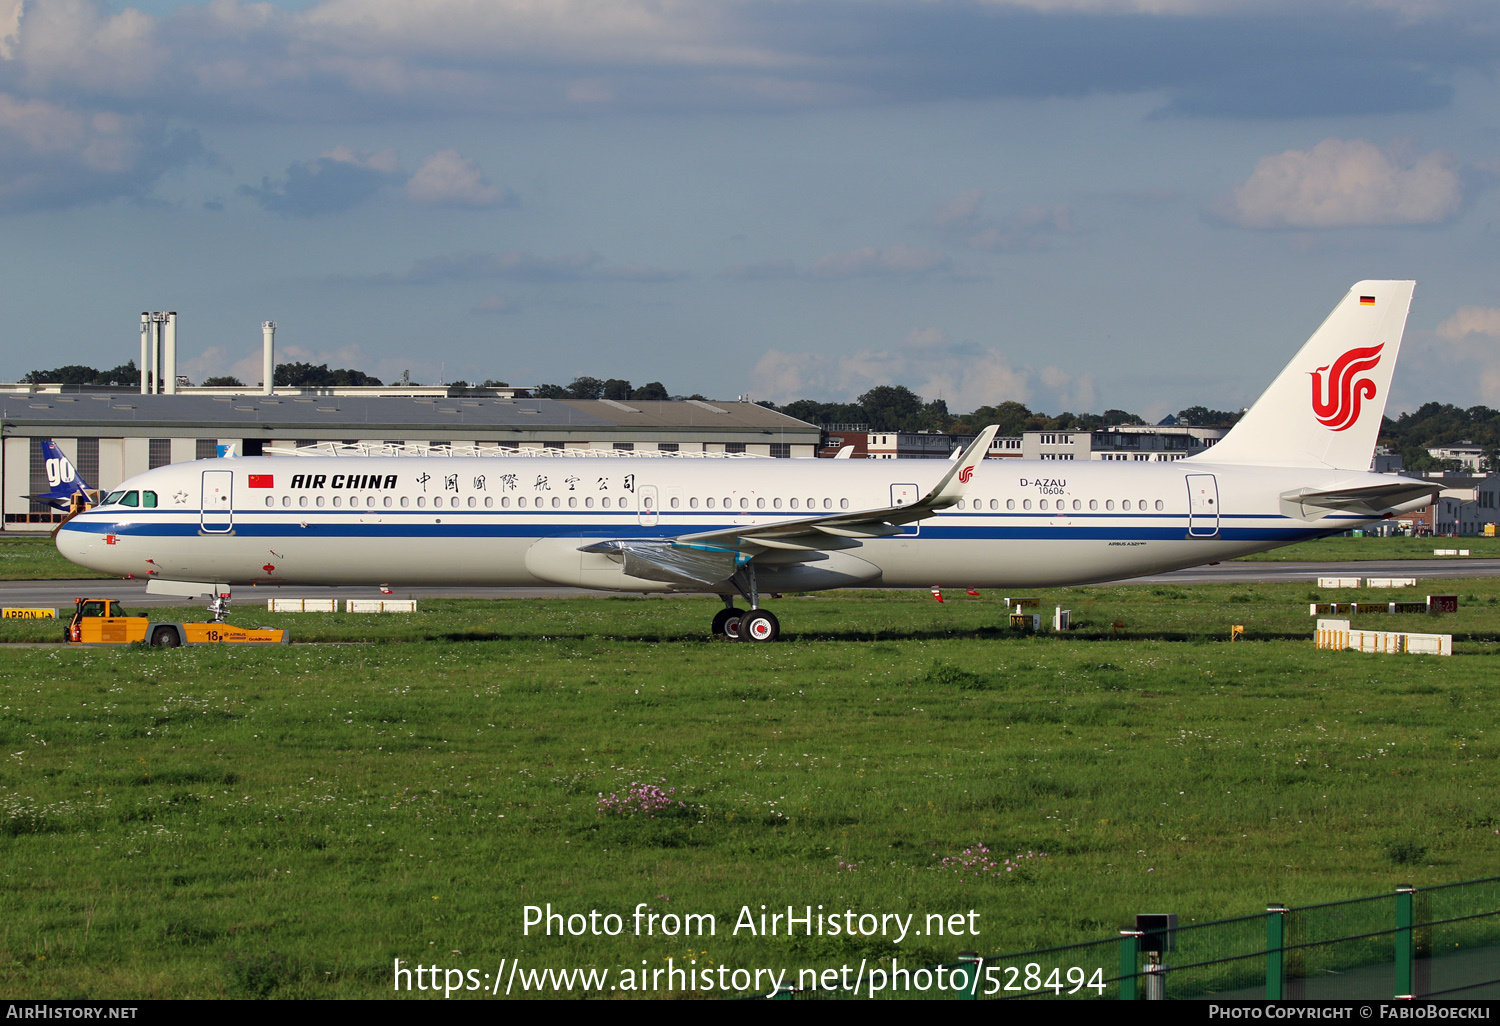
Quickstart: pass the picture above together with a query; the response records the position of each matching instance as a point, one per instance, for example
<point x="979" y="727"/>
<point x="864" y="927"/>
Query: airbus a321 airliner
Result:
<point x="1295" y="467"/>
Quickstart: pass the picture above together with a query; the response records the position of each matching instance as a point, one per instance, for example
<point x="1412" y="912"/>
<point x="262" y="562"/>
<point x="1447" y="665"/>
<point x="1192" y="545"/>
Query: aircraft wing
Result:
<point x="1368" y="500"/>
<point x="710" y="557"/>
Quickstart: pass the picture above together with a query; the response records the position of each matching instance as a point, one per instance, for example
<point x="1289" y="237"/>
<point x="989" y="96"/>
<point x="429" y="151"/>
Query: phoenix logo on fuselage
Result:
<point x="1336" y="401"/>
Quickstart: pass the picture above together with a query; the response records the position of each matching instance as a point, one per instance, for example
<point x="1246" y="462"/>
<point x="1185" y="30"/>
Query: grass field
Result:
<point x="36" y="559"/>
<point x="287" y="821"/>
<point x="1339" y="549"/>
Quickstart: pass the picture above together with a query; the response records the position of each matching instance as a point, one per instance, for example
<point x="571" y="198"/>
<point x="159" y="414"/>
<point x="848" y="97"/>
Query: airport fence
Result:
<point x="1430" y="942"/>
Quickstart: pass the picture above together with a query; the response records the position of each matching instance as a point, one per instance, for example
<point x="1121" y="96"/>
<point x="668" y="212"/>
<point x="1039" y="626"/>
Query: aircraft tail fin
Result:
<point x="63" y="481"/>
<point x="1325" y="408"/>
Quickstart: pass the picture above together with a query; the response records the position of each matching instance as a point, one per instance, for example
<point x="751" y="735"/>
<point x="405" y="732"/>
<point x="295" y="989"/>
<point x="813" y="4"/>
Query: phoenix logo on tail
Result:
<point x="965" y="474"/>
<point x="1336" y="401"/>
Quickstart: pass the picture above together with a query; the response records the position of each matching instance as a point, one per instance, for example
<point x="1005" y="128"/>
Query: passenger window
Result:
<point x="405" y="501"/>
<point x="520" y="502"/>
<point x="1093" y="504"/>
<point x="604" y="502"/>
<point x="130" y="499"/>
<point x="1025" y="503"/>
<point x="709" y="502"/>
<point x="693" y="503"/>
<point x="572" y="502"/>
<point x="1141" y="505"/>
<point x="1077" y="504"/>
<point x="1160" y="504"/>
<point x="556" y="502"/>
<point x="319" y="502"/>
<point x="302" y="501"/>
<point x="473" y="502"/>
<point x="995" y="504"/>
<point x="776" y="503"/>
<point x="1109" y="503"/>
<point x="370" y="500"/>
<point x="828" y="504"/>
<point x="505" y="501"/>
<point x="728" y="502"/>
<point x="148" y="500"/>
<point x="794" y="503"/>
<point x="843" y="504"/>
<point x="422" y="501"/>
<point x="624" y="502"/>
<point x="588" y="502"/>
<point x="437" y="502"/>
<point x="286" y="500"/>
<point x="1042" y="504"/>
<point x="270" y="500"/>
<point x="960" y="504"/>
<point x="760" y="503"/>
<point x="1125" y="505"/>
<point x="1010" y="503"/>
<point x="744" y="503"/>
<point x="489" y="502"/>
<point x="338" y="500"/>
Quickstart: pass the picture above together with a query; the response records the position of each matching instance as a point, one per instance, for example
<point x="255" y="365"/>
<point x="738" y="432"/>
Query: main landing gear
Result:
<point x="755" y="624"/>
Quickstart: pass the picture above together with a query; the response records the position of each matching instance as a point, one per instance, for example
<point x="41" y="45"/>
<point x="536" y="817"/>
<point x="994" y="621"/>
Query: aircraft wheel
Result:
<point x="732" y="626"/>
<point x="165" y="637"/>
<point x="722" y="617"/>
<point x="759" y="625"/>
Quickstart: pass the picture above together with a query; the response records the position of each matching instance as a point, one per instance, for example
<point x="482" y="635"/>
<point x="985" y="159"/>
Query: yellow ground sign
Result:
<point x="28" y="614"/>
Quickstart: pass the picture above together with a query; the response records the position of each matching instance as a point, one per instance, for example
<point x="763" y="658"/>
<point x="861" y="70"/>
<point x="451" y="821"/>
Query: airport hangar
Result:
<point x="113" y="434"/>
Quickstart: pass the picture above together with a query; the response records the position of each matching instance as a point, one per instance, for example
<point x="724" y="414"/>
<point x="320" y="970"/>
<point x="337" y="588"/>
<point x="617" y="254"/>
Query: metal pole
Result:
<point x="169" y="354"/>
<point x="1405" y="979"/>
<point x="268" y="359"/>
<point x="156" y="354"/>
<point x="145" y="348"/>
<point x="1130" y="941"/>
<point x="1156" y="981"/>
<point x="1275" y="955"/>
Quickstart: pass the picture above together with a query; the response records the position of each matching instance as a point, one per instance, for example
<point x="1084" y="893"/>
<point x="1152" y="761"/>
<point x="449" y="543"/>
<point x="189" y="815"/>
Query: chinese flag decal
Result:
<point x="262" y="480"/>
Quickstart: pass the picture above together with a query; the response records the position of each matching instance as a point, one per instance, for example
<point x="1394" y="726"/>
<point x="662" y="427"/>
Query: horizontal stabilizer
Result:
<point x="1366" y="501"/>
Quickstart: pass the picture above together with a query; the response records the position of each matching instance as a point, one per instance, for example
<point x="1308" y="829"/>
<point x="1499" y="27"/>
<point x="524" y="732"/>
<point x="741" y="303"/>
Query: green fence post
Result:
<point x="1275" y="952"/>
<point x="1130" y="944"/>
<point x="969" y="963"/>
<point x="1404" y="977"/>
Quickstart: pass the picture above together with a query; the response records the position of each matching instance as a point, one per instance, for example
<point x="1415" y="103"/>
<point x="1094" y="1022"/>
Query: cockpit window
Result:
<point x="148" y="500"/>
<point x="112" y="498"/>
<point x="131" y="498"/>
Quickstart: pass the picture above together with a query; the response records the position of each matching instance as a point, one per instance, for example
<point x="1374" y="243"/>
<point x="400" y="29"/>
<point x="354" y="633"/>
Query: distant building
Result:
<point x="1466" y="454"/>
<point x="117" y="434"/>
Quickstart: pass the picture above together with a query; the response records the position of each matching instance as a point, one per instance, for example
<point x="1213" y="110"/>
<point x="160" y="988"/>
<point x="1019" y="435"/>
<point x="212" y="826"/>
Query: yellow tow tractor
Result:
<point x="104" y="622"/>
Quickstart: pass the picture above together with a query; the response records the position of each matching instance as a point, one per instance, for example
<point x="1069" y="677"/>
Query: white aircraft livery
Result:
<point x="1296" y="466"/>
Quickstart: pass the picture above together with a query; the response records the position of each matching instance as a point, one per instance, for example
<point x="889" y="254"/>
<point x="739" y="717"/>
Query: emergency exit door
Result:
<point x="218" y="502"/>
<point x="1203" y="505"/>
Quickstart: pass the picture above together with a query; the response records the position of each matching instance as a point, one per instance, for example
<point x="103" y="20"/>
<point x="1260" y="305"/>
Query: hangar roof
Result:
<point x="370" y="416"/>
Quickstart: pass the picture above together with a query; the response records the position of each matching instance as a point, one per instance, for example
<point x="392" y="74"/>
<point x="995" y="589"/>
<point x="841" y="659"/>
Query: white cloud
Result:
<point x="80" y="45"/>
<point x="449" y="179"/>
<point x="963" y="221"/>
<point x="1346" y="183"/>
<point x="1471" y="320"/>
<point x="928" y="362"/>
<point x="900" y="259"/>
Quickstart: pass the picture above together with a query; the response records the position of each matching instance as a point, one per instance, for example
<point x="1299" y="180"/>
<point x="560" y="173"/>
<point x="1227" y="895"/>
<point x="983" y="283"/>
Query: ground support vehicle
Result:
<point x="104" y="622"/>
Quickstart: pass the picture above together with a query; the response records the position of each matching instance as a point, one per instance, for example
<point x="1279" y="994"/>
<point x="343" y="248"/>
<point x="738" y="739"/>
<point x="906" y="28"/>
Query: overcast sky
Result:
<point x="1080" y="204"/>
